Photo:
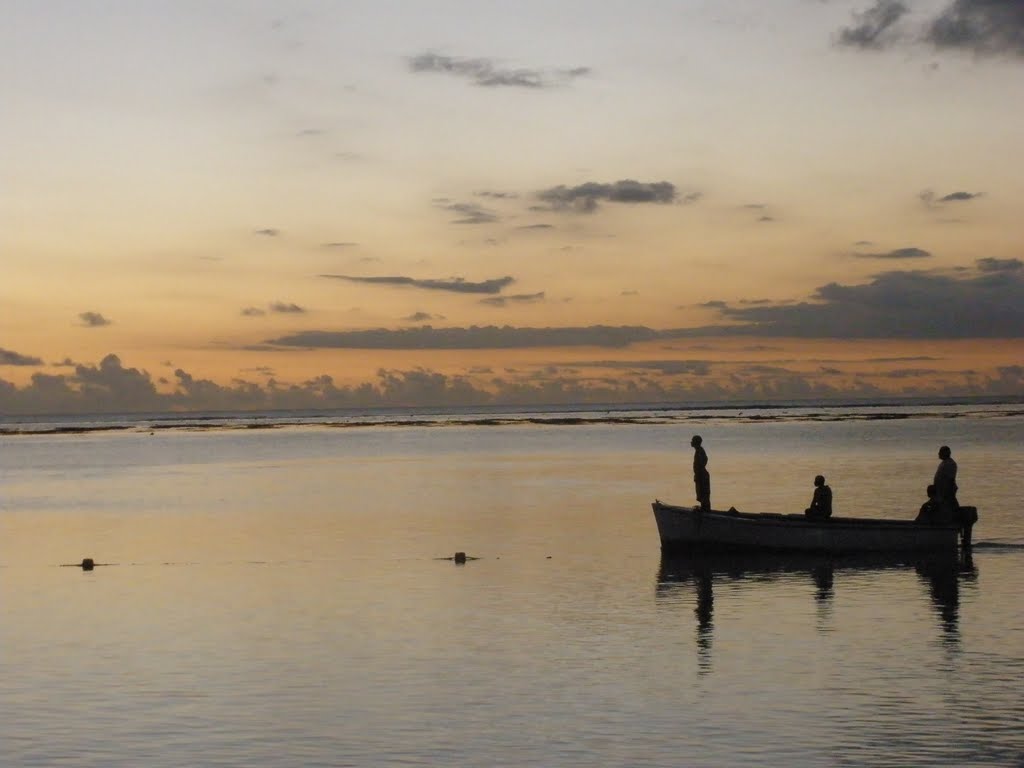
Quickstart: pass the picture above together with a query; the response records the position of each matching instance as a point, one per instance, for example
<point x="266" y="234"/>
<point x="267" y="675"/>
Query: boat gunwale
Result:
<point x="797" y="520"/>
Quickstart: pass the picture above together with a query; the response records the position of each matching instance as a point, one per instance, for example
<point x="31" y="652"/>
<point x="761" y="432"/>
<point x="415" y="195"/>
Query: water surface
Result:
<point x="279" y="595"/>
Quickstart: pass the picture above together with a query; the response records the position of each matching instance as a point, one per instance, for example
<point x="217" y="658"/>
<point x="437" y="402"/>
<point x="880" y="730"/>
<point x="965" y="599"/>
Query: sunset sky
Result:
<point x="268" y="204"/>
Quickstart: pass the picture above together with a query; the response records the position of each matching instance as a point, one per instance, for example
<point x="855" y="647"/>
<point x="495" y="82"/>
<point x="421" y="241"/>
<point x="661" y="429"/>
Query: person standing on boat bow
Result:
<point x="946" y="504"/>
<point x="701" y="476"/>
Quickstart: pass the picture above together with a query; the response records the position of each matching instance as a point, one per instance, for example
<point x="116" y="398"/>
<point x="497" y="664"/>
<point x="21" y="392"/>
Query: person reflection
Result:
<point x="823" y="576"/>
<point x="704" y="612"/>
<point x="943" y="579"/>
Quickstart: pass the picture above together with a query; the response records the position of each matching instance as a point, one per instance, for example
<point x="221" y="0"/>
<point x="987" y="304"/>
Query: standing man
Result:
<point x="946" y="504"/>
<point x="701" y="476"/>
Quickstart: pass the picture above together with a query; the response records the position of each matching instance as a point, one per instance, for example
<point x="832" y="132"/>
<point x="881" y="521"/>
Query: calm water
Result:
<point x="279" y="597"/>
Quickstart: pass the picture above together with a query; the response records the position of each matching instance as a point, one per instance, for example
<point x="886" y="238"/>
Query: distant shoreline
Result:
<point x="485" y="416"/>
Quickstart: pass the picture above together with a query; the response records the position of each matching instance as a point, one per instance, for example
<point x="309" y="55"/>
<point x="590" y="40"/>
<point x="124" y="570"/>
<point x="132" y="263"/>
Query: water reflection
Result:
<point x="941" y="574"/>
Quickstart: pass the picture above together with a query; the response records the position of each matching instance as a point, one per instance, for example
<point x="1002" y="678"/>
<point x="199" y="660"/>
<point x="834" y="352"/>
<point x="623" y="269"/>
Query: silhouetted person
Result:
<point x="946" y="505"/>
<point x="927" y="511"/>
<point x="821" y="502"/>
<point x="701" y="476"/>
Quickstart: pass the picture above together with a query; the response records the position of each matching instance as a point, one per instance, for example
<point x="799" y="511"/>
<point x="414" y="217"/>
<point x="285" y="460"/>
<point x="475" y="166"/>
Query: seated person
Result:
<point x="821" y="503"/>
<point x="927" y="514"/>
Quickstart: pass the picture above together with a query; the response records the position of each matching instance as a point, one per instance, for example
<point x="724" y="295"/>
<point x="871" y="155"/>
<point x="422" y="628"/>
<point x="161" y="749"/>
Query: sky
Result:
<point x="255" y="204"/>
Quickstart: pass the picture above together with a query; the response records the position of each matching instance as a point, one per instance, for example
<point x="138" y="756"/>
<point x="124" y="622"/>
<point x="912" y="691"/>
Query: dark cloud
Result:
<point x="714" y="304"/>
<point x="535" y="226"/>
<point x="455" y="284"/>
<point x="987" y="27"/>
<point x="872" y="28"/>
<point x="930" y="199"/>
<point x="421" y="317"/>
<point x="93" y="319"/>
<point x="267" y="232"/>
<point x="990" y="264"/>
<point x="954" y="197"/>
<point x="765" y="219"/>
<point x="585" y="198"/>
<point x="9" y="357"/>
<point x="286" y="308"/>
<point x="912" y="304"/>
<point x="474" y="337"/>
<point x="515" y="298"/>
<point x="469" y="213"/>
<point x="253" y="312"/>
<point x="339" y="244"/>
<point x="899" y="253"/>
<point x="981" y="27"/>
<point x="489" y="74"/>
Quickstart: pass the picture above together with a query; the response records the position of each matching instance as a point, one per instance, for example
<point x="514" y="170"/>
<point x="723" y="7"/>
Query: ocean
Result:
<point x="280" y="590"/>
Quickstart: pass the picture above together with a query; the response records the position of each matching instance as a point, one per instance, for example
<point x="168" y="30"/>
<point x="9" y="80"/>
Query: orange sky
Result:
<point x="796" y="198"/>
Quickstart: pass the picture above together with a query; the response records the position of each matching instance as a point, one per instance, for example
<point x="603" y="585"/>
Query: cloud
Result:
<point x="667" y="367"/>
<point x="495" y="195"/>
<point x="954" y="197"/>
<point x="339" y="244"/>
<point x="455" y="284"/>
<point x="516" y="298"/>
<point x="488" y="73"/>
<point x="899" y="253"/>
<point x="535" y="226"/>
<point x="989" y="264"/>
<point x="8" y="357"/>
<point x="981" y="27"/>
<point x="986" y="27"/>
<point x="872" y="28"/>
<point x="253" y="312"/>
<point x="584" y="198"/>
<point x="474" y="337"/>
<point x="286" y="308"/>
<point x="93" y="319"/>
<point x="469" y="213"/>
<point x="930" y="199"/>
<point x="901" y="304"/>
<point x="421" y="317"/>
<point x="267" y="232"/>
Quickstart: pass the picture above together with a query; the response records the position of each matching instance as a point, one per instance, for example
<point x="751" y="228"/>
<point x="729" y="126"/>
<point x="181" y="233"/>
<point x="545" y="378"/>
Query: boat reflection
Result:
<point x="940" y="573"/>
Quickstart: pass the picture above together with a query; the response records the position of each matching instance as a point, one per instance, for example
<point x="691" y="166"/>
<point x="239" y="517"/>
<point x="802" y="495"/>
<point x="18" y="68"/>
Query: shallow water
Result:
<point x="279" y="597"/>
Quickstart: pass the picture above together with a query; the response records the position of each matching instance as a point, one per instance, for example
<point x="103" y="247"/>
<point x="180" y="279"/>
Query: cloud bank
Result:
<point x="988" y="303"/>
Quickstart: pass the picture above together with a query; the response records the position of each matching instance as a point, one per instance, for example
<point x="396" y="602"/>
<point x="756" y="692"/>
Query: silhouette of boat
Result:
<point x="690" y="529"/>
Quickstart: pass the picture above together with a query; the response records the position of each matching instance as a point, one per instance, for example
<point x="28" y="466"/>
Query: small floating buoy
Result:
<point x="460" y="557"/>
<point x="88" y="564"/>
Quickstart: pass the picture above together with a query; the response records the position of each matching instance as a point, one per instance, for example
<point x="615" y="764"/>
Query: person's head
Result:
<point x="944" y="452"/>
<point x="930" y="491"/>
<point x="819" y="480"/>
<point x="696" y="440"/>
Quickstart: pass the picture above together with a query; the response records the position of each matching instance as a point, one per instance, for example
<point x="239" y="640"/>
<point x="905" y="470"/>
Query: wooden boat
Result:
<point x="689" y="529"/>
